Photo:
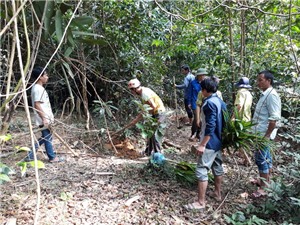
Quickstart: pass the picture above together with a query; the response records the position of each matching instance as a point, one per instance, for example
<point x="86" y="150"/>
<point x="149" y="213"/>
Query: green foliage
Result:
<point x="186" y="173"/>
<point x="65" y="196"/>
<point x="4" y="172"/>
<point x="238" y="134"/>
<point x="5" y="138"/>
<point x="239" y="218"/>
<point x="23" y="166"/>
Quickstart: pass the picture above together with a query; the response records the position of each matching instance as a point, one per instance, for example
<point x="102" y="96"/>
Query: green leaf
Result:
<point x="157" y="43"/>
<point x="4" y="177"/>
<point x="23" y="166"/>
<point x="23" y="148"/>
<point x="68" y="51"/>
<point x="40" y="164"/>
<point x="4" y="138"/>
<point x="48" y="16"/>
<point x="82" y="21"/>
<point x="144" y="134"/>
<point x="58" y="25"/>
<point x="70" y="72"/>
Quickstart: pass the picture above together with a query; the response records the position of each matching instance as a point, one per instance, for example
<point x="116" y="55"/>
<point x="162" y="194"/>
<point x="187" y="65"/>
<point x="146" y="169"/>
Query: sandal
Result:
<point x="194" y="206"/>
<point x="57" y="159"/>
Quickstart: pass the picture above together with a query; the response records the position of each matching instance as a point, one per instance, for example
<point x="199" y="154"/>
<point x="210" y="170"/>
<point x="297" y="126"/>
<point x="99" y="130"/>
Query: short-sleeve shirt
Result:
<point x="148" y="94"/>
<point x="39" y="94"/>
<point x="267" y="108"/>
<point x="244" y="100"/>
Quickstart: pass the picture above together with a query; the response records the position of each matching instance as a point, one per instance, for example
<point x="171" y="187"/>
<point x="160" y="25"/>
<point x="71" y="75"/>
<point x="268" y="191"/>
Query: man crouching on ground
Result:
<point x="209" y="149"/>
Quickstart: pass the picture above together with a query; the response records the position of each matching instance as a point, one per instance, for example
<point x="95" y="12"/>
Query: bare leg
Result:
<point x="202" y="186"/>
<point x="264" y="179"/>
<point x="218" y="183"/>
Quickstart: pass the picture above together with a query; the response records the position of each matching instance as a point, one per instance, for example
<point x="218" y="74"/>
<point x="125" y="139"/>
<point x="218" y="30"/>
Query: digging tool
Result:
<point x="176" y="110"/>
<point x="119" y="132"/>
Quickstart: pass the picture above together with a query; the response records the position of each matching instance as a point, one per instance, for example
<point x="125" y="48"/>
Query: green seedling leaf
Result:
<point x="23" y="148"/>
<point x="4" y="177"/>
<point x="4" y="138"/>
<point x="65" y="196"/>
<point x="23" y="166"/>
<point x="40" y="164"/>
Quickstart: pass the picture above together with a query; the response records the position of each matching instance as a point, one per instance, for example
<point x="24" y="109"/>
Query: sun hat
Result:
<point x="201" y="71"/>
<point x="243" y="83"/>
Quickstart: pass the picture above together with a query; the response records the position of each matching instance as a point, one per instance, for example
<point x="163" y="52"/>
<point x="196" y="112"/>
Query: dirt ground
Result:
<point x="102" y="187"/>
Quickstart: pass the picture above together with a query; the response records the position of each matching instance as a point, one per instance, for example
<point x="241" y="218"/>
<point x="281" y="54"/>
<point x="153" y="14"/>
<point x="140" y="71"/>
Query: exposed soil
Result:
<point x="102" y="187"/>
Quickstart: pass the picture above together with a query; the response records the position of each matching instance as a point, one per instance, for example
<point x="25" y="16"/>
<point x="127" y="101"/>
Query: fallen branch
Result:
<point x="63" y="141"/>
<point x="171" y="144"/>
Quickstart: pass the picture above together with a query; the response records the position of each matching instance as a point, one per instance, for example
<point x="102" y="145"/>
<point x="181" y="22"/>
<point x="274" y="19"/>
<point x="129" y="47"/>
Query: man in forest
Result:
<point x="193" y="92"/>
<point x="209" y="149"/>
<point x="189" y="77"/>
<point x="243" y="103"/>
<point x="43" y="114"/>
<point x="156" y="109"/>
<point x="266" y="115"/>
<point x="200" y="99"/>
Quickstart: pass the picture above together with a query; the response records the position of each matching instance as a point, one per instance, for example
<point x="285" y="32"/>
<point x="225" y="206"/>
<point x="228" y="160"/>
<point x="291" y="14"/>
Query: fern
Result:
<point x="238" y="134"/>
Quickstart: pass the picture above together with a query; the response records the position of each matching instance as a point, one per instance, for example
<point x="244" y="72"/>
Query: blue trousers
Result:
<point x="45" y="139"/>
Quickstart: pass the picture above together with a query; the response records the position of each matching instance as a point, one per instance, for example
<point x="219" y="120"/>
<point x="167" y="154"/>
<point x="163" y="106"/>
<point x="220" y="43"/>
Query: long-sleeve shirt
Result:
<point x="193" y="93"/>
<point x="212" y="121"/>
<point x="186" y="84"/>
<point x="268" y="108"/>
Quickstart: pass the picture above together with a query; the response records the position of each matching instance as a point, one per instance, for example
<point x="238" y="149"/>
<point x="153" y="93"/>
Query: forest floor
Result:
<point x="102" y="187"/>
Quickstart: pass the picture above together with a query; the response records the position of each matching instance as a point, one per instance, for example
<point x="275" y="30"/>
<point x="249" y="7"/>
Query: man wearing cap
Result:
<point x="193" y="92"/>
<point x="266" y="115"/>
<point x="156" y="109"/>
<point x="189" y="77"/>
<point x="243" y="101"/>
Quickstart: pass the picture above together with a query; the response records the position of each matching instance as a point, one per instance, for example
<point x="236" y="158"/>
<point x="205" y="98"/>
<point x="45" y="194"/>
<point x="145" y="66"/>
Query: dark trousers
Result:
<point x="187" y="109"/>
<point x="153" y="143"/>
<point x="195" y="129"/>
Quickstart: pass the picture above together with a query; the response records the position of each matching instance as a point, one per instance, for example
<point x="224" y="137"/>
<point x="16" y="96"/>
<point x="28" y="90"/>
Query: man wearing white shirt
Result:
<point x="43" y="115"/>
<point x="266" y="115"/>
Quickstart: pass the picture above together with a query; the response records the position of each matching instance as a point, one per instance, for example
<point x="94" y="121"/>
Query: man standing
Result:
<point x="193" y="92"/>
<point x="243" y="103"/>
<point x="156" y="109"/>
<point x="43" y="114"/>
<point x="267" y="113"/>
<point x="189" y="77"/>
<point x="209" y="149"/>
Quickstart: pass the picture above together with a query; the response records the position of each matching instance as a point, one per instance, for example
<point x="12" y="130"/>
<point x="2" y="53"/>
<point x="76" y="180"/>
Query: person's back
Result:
<point x="148" y="94"/>
<point x="243" y="101"/>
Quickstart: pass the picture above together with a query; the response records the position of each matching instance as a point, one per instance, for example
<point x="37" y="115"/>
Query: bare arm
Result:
<point x="38" y="107"/>
<point x="271" y="127"/>
<point x="202" y="145"/>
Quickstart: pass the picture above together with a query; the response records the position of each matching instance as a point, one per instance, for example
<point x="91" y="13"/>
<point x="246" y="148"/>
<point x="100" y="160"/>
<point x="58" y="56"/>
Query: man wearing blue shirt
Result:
<point x="266" y="115"/>
<point x="189" y="77"/>
<point x="192" y="99"/>
<point x="209" y="149"/>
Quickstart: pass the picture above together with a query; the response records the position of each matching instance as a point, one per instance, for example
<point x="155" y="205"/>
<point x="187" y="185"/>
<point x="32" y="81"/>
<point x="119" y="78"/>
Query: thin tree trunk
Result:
<point x="242" y="68"/>
<point x="233" y="77"/>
